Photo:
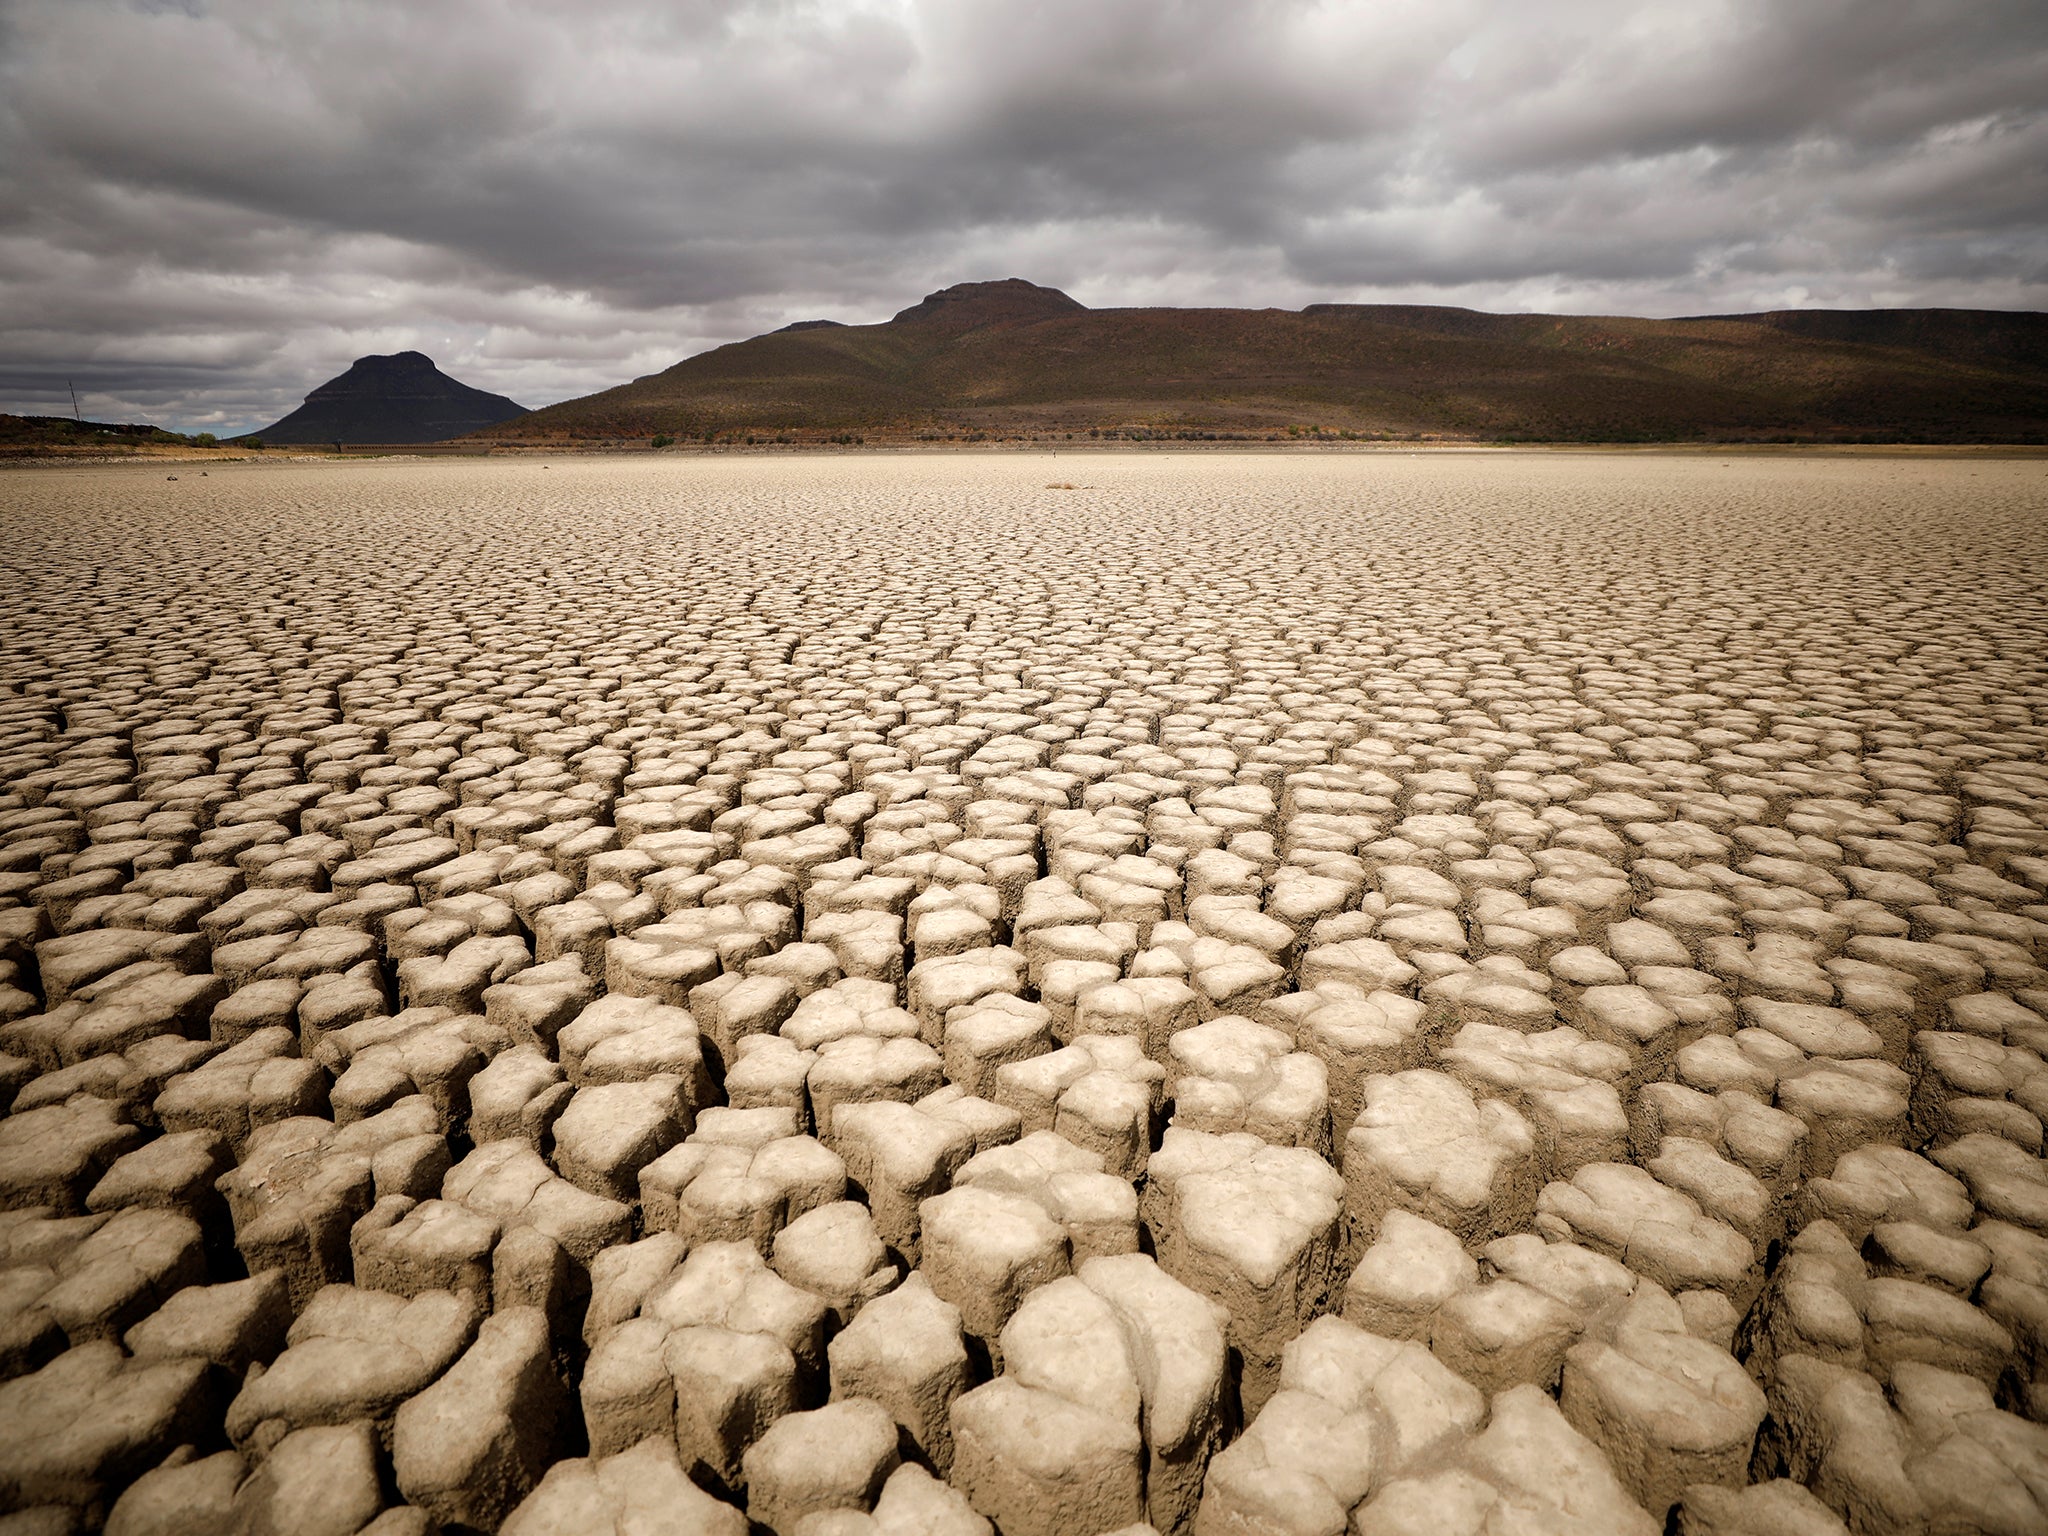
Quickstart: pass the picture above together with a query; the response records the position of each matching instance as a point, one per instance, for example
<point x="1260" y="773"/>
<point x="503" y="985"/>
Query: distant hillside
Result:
<point x="1012" y="358"/>
<point x="35" y="436"/>
<point x="402" y="398"/>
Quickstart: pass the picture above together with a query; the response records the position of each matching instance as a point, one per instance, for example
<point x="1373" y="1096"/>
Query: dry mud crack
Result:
<point x="1257" y="997"/>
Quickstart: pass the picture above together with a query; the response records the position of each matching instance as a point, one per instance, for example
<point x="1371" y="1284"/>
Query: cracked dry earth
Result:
<point x="1256" y="996"/>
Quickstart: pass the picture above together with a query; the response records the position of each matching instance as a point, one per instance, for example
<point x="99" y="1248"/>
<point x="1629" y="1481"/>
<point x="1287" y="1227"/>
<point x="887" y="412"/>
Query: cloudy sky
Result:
<point x="209" y="206"/>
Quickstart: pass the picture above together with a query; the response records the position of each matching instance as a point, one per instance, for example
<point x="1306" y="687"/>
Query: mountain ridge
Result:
<point x="1014" y="358"/>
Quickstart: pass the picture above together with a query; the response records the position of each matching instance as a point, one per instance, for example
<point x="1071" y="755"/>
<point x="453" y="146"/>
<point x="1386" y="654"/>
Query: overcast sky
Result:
<point x="209" y="206"/>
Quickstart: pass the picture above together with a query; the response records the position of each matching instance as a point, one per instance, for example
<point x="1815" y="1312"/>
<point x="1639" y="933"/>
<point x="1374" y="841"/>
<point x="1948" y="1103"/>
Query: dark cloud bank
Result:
<point x="208" y="206"/>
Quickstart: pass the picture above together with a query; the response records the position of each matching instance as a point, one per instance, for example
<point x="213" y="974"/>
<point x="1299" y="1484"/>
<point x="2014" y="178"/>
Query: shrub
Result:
<point x="663" y="440"/>
<point x="206" y="440"/>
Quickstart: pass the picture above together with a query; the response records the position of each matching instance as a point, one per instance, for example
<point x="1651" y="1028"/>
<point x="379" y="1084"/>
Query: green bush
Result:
<point x="663" y="440"/>
<point x="207" y="440"/>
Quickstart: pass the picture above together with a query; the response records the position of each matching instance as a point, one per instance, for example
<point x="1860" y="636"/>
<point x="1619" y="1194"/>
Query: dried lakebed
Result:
<point x="871" y="996"/>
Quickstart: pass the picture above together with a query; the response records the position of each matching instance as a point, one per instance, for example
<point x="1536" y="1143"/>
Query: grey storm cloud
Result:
<point x="207" y="206"/>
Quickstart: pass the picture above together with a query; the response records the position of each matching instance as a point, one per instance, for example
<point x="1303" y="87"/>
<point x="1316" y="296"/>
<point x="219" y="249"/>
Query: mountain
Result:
<point x="1012" y="358"/>
<point x="402" y="398"/>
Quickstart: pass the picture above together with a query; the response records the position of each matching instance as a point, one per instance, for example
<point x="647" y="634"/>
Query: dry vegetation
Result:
<point x="873" y="996"/>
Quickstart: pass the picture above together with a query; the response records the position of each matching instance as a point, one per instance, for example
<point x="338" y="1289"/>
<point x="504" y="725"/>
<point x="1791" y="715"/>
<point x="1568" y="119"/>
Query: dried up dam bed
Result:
<point x="1242" y="995"/>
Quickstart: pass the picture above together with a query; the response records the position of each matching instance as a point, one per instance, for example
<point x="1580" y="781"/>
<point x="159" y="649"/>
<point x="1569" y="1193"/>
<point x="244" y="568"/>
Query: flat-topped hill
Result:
<point x="400" y="398"/>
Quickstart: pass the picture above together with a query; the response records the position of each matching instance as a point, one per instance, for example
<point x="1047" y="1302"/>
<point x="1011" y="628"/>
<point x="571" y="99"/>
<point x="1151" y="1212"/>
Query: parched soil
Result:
<point x="1244" y="995"/>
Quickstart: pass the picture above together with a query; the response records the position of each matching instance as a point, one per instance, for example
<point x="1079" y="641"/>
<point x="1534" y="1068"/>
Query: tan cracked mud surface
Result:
<point x="1254" y="995"/>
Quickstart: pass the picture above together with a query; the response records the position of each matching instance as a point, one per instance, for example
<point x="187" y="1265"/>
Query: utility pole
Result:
<point x="74" y="400"/>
